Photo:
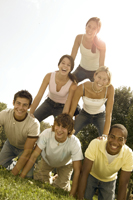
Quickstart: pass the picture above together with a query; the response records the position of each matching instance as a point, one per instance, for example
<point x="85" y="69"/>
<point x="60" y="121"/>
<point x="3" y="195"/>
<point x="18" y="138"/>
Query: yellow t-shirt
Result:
<point x="101" y="169"/>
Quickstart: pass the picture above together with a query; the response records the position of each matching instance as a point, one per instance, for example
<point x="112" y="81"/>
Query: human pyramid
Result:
<point x="59" y="147"/>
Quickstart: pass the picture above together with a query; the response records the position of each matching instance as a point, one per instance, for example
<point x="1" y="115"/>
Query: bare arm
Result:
<point x="109" y="108"/>
<point x="31" y="161"/>
<point x="28" y="148"/>
<point x="40" y="93"/>
<point x="76" y="46"/>
<point x="102" y="56"/>
<point x="78" y="93"/>
<point x="86" y="168"/>
<point x="77" y="169"/>
<point x="72" y="89"/>
<point x="123" y="184"/>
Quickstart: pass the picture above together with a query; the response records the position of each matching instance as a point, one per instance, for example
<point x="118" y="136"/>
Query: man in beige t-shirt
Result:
<point x="21" y="130"/>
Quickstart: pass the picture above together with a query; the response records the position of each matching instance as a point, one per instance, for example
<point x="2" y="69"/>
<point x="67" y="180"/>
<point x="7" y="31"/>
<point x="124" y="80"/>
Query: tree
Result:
<point x="2" y="106"/>
<point x="122" y="102"/>
<point x="44" y="125"/>
<point x="2" y="132"/>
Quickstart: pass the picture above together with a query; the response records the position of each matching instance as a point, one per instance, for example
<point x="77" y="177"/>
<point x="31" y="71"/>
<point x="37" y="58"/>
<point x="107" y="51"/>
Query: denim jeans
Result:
<point x="84" y="118"/>
<point x="82" y="74"/>
<point x="106" y="190"/>
<point x="9" y="152"/>
<point x="50" y="107"/>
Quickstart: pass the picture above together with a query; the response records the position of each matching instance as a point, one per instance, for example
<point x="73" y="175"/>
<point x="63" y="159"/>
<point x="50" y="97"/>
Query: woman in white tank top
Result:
<point x="62" y="85"/>
<point x="94" y="95"/>
<point x="92" y="50"/>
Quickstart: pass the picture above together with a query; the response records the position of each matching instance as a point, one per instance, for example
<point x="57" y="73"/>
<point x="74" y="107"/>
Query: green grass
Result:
<point x="14" y="188"/>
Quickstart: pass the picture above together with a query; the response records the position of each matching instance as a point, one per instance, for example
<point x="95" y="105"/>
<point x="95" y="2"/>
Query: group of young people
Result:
<point x="59" y="147"/>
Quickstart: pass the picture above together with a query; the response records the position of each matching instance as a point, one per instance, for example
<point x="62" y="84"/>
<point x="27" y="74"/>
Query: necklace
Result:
<point x="96" y="91"/>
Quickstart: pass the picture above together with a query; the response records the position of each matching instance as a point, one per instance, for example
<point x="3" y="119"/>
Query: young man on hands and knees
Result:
<point x="21" y="130"/>
<point x="103" y="160"/>
<point x="59" y="149"/>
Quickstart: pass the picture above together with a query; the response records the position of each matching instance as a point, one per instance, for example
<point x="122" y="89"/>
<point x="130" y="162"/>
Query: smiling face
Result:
<point x="101" y="80"/>
<point x="21" y="106"/>
<point x="91" y="29"/>
<point x="61" y="133"/>
<point x="65" y="66"/>
<point x="116" y="139"/>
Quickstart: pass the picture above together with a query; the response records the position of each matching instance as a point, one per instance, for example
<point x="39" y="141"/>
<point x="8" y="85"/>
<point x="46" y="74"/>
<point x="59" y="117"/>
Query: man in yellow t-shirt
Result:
<point x="103" y="160"/>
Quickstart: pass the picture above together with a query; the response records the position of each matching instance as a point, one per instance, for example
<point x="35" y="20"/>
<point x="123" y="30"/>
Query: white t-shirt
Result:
<point x="59" y="154"/>
<point x="17" y="132"/>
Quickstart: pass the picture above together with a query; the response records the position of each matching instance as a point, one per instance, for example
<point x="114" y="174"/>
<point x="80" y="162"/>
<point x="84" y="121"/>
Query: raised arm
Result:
<point x="102" y="57"/>
<point x="76" y="46"/>
<point x="78" y="93"/>
<point x="109" y="108"/>
<point x="123" y="184"/>
<point x="72" y="89"/>
<point x="31" y="161"/>
<point x="40" y="93"/>
<point x="28" y="148"/>
<point x="86" y="168"/>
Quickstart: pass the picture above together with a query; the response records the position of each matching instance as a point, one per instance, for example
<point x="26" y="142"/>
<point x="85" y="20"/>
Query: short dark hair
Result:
<point x="121" y="127"/>
<point x="23" y="94"/>
<point x="66" y="121"/>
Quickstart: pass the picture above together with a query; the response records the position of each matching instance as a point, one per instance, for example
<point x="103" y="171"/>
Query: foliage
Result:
<point x="43" y="126"/>
<point x="130" y="127"/>
<point x="2" y="106"/>
<point x="2" y="132"/>
<point x="87" y="134"/>
<point x="122" y="102"/>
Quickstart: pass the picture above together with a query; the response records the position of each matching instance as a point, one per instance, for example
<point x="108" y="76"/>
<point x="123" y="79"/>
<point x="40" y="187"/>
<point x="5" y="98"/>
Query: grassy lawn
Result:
<point x="15" y="188"/>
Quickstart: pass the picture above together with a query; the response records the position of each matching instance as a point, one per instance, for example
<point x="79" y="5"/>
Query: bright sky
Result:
<point x="36" y="33"/>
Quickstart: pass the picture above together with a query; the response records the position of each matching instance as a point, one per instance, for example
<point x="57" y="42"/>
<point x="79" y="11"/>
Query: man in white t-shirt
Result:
<point x="21" y="130"/>
<point x="59" y="149"/>
<point x="103" y="160"/>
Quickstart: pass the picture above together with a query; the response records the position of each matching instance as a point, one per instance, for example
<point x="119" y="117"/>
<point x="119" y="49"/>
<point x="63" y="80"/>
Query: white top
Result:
<point x="94" y="106"/>
<point x="110" y="157"/>
<point x="58" y="154"/>
<point x="60" y="96"/>
<point x="89" y="61"/>
<point x="17" y="132"/>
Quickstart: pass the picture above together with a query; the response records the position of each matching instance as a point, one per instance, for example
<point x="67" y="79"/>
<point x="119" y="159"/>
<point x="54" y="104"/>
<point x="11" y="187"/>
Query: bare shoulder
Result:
<point x="47" y="78"/>
<point x="73" y="86"/>
<point x="78" y="38"/>
<point x="87" y="84"/>
<point x="110" y="90"/>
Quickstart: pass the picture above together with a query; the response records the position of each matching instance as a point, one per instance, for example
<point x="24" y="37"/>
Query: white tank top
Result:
<point x="89" y="61"/>
<point x="94" y="106"/>
<point x="61" y="96"/>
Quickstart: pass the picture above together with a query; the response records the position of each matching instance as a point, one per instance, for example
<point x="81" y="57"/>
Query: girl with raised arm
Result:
<point x="62" y="85"/>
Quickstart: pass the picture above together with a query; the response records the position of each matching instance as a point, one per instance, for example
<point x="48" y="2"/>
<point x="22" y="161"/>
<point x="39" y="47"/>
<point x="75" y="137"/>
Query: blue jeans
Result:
<point x="9" y="152"/>
<point x="82" y="74"/>
<point x="50" y="107"/>
<point x="84" y="118"/>
<point x="106" y="190"/>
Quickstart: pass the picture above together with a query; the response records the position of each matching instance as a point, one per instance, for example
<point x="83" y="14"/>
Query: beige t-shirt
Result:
<point x="17" y="132"/>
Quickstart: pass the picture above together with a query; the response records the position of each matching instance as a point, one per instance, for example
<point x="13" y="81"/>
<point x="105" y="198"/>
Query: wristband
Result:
<point x="103" y="135"/>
